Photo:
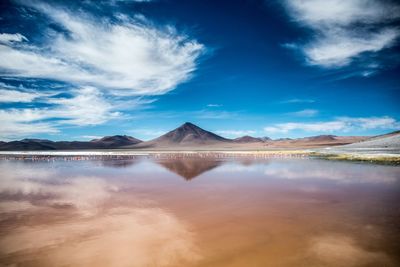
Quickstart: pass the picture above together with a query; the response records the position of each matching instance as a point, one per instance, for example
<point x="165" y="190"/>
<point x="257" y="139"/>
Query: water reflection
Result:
<point x="236" y="213"/>
<point x="120" y="163"/>
<point x="189" y="168"/>
<point x="52" y="219"/>
<point x="116" y="237"/>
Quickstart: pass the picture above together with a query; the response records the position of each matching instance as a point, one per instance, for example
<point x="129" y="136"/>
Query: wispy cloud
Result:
<point x="214" y="105"/>
<point x="297" y="100"/>
<point x="90" y="137"/>
<point x="344" y="30"/>
<point x="86" y="107"/>
<point x="215" y="115"/>
<point x="9" y="96"/>
<point x="148" y="133"/>
<point x="9" y="38"/>
<point x="107" y="65"/>
<point x="342" y="124"/>
<point x="305" y="113"/>
<point x="235" y="133"/>
<point x="17" y="123"/>
<point x="124" y="55"/>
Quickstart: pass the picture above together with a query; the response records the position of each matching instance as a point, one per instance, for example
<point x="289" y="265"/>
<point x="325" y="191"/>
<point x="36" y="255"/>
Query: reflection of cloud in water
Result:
<point x="338" y="250"/>
<point x="15" y="206"/>
<point x="85" y="194"/>
<point x="119" y="238"/>
<point x="316" y="169"/>
<point x="98" y="234"/>
<point x="233" y="167"/>
<point x="118" y="163"/>
<point x="342" y="172"/>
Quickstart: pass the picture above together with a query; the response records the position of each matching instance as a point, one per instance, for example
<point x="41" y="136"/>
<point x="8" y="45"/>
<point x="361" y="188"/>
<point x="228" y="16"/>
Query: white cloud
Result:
<point x="86" y="107"/>
<point x="109" y="65"/>
<point x="217" y="115"/>
<point x="147" y="133"/>
<point x="8" y="38"/>
<point x="124" y="55"/>
<point x="297" y="100"/>
<point x="343" y="124"/>
<point x="235" y="133"/>
<point x="91" y="137"/>
<point x="305" y="113"/>
<point x="342" y="12"/>
<point x="340" y="48"/>
<point x="23" y="122"/>
<point x="214" y="105"/>
<point x="344" y="30"/>
<point x="17" y="96"/>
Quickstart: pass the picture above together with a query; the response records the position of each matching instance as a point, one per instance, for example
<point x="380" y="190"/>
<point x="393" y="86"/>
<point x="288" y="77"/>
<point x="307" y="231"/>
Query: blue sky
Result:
<point x="80" y="70"/>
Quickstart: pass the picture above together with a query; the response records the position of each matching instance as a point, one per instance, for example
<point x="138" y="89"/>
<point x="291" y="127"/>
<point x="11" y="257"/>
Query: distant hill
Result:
<point x="316" y="141"/>
<point x="248" y="139"/>
<point x="28" y="144"/>
<point x="381" y="142"/>
<point x="283" y="139"/>
<point x="320" y="138"/>
<point x="188" y="135"/>
<point x="107" y="142"/>
<point x="116" y="141"/>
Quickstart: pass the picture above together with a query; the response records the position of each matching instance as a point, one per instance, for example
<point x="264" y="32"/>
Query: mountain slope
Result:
<point x="107" y="142"/>
<point x="248" y="139"/>
<point x="389" y="141"/>
<point x="116" y="141"/>
<point x="187" y="134"/>
<point x="28" y="144"/>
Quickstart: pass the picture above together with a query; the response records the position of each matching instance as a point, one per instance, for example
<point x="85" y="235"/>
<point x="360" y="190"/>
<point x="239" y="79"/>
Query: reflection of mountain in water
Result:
<point x="118" y="163"/>
<point x="189" y="168"/>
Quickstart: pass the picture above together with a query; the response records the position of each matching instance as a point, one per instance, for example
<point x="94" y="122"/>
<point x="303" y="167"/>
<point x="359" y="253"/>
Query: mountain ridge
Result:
<point x="108" y="142"/>
<point x="187" y="135"/>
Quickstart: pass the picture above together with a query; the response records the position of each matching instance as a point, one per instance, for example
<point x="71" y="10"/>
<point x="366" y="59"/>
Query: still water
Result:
<point x="199" y="212"/>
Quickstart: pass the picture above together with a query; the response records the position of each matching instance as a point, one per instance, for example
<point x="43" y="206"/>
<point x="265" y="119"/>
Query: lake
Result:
<point x="199" y="212"/>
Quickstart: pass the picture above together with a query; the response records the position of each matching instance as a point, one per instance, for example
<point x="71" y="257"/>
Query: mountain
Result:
<point x="384" y="142"/>
<point x="315" y="141"/>
<point x="283" y="139"/>
<point x="394" y="133"/>
<point x="320" y="138"/>
<point x="248" y="139"/>
<point x="187" y="134"/>
<point x="107" y="142"/>
<point x="116" y="141"/>
<point x="28" y="144"/>
<point x="381" y="144"/>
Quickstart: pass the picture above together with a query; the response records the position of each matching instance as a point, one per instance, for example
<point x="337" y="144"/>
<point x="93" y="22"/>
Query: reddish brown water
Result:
<point x="199" y="212"/>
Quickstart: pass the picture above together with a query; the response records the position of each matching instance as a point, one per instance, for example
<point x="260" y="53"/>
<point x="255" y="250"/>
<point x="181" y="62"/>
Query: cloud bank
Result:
<point x="106" y="64"/>
<point x="344" y="124"/>
<point x="344" y="30"/>
<point x="123" y="55"/>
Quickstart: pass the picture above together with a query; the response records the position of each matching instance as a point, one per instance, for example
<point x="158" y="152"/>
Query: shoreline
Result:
<point x="154" y="154"/>
<point x="381" y="158"/>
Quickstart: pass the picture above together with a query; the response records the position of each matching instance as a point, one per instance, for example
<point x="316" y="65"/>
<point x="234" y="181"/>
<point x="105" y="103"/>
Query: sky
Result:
<point x="79" y="70"/>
